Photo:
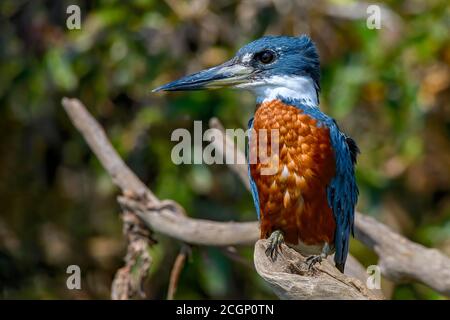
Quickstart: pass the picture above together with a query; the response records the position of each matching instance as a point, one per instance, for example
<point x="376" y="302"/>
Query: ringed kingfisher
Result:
<point x="309" y="200"/>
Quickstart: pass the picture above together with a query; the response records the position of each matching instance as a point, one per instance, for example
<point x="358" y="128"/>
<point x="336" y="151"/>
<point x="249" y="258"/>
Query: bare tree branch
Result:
<point x="176" y="271"/>
<point x="227" y="146"/>
<point x="402" y="260"/>
<point x="128" y="284"/>
<point x="96" y="138"/>
<point x="167" y="220"/>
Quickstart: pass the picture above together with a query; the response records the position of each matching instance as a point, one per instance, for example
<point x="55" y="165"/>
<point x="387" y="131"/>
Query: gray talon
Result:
<point x="312" y="260"/>
<point x="274" y="248"/>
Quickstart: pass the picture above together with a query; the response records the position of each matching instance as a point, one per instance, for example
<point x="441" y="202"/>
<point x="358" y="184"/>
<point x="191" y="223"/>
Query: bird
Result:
<point x="308" y="200"/>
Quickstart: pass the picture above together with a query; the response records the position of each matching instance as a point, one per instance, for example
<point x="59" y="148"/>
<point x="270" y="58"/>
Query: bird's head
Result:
<point x="270" y="66"/>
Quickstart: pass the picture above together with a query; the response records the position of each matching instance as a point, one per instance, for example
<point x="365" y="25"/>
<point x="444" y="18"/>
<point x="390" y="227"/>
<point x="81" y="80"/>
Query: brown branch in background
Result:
<point x="169" y="221"/>
<point x="234" y="255"/>
<point x="227" y="146"/>
<point x="96" y="138"/>
<point x="176" y="270"/>
<point x="168" y="218"/>
<point x="129" y="280"/>
<point x="402" y="260"/>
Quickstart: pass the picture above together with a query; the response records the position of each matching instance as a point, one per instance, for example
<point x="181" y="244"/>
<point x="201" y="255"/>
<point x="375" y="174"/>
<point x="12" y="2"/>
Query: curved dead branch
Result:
<point x="402" y="260"/>
<point x="166" y="218"/>
<point x="96" y="138"/>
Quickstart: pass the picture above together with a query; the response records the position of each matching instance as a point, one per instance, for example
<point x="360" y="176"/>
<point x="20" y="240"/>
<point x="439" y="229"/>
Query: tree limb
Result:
<point x="169" y="221"/>
<point x="128" y="284"/>
<point x="402" y="260"/>
<point x="176" y="270"/>
<point x="96" y="138"/>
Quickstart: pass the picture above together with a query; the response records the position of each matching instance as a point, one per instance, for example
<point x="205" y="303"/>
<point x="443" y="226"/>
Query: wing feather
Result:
<point x="343" y="192"/>
<point x="253" y="187"/>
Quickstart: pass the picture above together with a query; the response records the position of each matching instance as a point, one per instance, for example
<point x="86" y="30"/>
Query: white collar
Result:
<point x="291" y="87"/>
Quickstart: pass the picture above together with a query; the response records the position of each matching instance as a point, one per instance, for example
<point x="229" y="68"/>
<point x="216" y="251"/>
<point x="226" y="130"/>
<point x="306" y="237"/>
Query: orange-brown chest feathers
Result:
<point x="294" y="198"/>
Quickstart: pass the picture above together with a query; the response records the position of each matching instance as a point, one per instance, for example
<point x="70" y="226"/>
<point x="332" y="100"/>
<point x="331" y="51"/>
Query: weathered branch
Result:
<point x="128" y="284"/>
<point x="167" y="217"/>
<point x="227" y="146"/>
<point x="290" y="278"/>
<point x="96" y="138"/>
<point x="176" y="270"/>
<point x="402" y="260"/>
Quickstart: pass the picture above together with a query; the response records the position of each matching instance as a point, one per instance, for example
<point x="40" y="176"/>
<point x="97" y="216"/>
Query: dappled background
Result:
<point x="388" y="88"/>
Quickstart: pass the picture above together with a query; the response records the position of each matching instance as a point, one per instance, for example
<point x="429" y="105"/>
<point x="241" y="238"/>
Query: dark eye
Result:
<point x="266" y="56"/>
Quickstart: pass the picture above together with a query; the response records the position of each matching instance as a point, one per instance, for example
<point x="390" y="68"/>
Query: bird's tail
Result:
<point x="340" y="266"/>
<point x="341" y="242"/>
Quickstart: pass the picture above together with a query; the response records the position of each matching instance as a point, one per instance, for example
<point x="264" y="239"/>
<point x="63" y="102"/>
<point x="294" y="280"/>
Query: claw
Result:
<point x="274" y="247"/>
<point x="312" y="260"/>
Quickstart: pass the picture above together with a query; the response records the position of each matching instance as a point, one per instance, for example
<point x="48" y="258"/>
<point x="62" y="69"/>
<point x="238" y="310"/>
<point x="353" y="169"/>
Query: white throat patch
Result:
<point x="294" y="87"/>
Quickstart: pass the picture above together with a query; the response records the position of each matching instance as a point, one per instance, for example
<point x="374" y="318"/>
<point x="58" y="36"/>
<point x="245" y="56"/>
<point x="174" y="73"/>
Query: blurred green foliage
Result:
<point x="387" y="88"/>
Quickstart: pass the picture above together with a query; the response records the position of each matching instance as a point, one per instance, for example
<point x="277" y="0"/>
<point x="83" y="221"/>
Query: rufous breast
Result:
<point x="293" y="196"/>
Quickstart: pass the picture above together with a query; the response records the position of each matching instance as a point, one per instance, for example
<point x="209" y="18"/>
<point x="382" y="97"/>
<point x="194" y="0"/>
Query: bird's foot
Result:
<point x="274" y="248"/>
<point x="312" y="260"/>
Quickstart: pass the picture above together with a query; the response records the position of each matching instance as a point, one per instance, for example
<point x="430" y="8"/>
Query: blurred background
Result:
<point x="388" y="88"/>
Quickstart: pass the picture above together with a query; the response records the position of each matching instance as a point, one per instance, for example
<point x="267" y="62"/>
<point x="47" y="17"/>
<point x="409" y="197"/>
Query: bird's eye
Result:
<point x="266" y="57"/>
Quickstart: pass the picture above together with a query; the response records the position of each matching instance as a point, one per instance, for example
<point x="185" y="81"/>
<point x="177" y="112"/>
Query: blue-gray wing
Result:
<point x="343" y="192"/>
<point x="253" y="188"/>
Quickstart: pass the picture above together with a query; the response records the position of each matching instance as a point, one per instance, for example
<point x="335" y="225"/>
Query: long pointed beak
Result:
<point x="229" y="74"/>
